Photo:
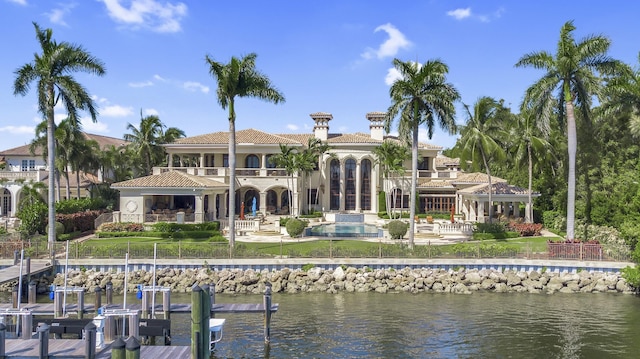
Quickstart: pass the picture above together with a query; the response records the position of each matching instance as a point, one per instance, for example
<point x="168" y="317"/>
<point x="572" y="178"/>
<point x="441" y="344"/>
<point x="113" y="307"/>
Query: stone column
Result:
<point x="212" y="206"/>
<point x="202" y="159"/>
<point x="342" y="185"/>
<point x="516" y="209"/>
<point x="358" y="187"/>
<point x="473" y="214"/>
<point x="263" y="161"/>
<point x="199" y="210"/>
<point x="223" y="204"/>
<point x="170" y="159"/>
<point x="263" y="202"/>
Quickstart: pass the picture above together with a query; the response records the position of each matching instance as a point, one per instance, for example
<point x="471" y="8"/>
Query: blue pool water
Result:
<point x="344" y="230"/>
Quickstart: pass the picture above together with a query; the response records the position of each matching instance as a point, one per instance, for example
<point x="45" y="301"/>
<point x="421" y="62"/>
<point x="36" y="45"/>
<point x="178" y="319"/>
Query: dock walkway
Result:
<point x="12" y="273"/>
<point x="72" y="308"/>
<point x="73" y="348"/>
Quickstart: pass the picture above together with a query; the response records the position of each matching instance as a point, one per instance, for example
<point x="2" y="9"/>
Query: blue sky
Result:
<point x="332" y="56"/>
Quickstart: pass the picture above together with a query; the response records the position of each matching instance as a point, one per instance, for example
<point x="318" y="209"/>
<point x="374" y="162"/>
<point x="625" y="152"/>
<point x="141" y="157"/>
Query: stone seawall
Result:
<point x="351" y="279"/>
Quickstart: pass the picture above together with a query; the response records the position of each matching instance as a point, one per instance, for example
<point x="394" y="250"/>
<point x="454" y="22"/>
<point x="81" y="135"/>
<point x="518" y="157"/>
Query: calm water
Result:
<point x="481" y="325"/>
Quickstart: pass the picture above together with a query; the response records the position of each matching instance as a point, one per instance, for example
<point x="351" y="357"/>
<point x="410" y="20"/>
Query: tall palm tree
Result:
<point x="478" y="138"/>
<point x="287" y="159"/>
<point x="623" y="96"/>
<point x="421" y="96"/>
<point x="321" y="149"/>
<point x="570" y="80"/>
<point x="84" y="158"/>
<point x="52" y="70"/>
<point x="528" y="140"/>
<point x="390" y="156"/>
<point x="239" y="78"/>
<point x="145" y="140"/>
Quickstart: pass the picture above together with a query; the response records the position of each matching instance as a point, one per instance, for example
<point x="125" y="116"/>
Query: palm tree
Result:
<point x="623" y="96"/>
<point x="322" y="148"/>
<point x="145" y="140"/>
<point x="239" y="78"/>
<point x="478" y="138"/>
<point x="420" y="97"/>
<point x="52" y="71"/>
<point x="570" y="80"/>
<point x="287" y="159"/>
<point x="391" y="156"/>
<point x="528" y="140"/>
<point x="84" y="157"/>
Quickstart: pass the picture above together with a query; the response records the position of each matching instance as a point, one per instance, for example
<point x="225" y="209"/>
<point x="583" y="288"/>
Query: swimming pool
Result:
<point x="344" y="230"/>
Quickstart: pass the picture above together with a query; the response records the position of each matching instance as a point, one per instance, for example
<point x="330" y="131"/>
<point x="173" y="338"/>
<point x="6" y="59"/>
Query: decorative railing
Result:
<point x="452" y="228"/>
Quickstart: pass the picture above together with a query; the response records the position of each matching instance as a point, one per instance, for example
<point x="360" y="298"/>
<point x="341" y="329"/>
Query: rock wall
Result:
<point x="353" y="280"/>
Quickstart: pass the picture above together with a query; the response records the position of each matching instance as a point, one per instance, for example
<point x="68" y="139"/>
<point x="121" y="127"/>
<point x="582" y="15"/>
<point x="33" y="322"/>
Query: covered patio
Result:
<point x="506" y="199"/>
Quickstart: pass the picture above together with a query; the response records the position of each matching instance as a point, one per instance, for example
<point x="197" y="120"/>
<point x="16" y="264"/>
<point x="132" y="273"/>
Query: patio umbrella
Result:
<point x="253" y="207"/>
<point x="242" y="210"/>
<point x="453" y="211"/>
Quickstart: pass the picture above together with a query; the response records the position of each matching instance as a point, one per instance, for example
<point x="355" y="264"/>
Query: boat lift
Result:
<point x="215" y="331"/>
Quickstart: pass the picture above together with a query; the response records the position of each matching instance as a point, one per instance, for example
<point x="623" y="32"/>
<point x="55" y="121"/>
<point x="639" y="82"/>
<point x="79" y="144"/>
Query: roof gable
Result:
<point x="170" y="179"/>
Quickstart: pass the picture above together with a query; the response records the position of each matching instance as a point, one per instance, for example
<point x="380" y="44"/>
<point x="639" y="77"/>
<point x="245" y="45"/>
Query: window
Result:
<point x="25" y="165"/>
<point x="225" y="160"/>
<point x="270" y="163"/>
<point x="334" y="185"/>
<point x="313" y="193"/>
<point x="32" y="165"/>
<point x="252" y="162"/>
<point x="365" y="185"/>
<point x="350" y="185"/>
<point x="423" y="165"/>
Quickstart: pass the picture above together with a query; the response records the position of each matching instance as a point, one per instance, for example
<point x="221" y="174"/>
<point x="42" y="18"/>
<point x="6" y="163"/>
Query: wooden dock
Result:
<point x="13" y="273"/>
<point x="72" y="308"/>
<point x="74" y="348"/>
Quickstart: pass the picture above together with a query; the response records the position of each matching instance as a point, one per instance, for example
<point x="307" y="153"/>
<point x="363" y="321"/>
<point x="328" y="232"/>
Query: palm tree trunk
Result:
<point x="571" y="181"/>
<point x="232" y="175"/>
<point x="78" y="182"/>
<point x="67" y="185"/>
<point x="414" y="178"/>
<point x="486" y="165"/>
<point x="51" y="148"/>
<point x="530" y="211"/>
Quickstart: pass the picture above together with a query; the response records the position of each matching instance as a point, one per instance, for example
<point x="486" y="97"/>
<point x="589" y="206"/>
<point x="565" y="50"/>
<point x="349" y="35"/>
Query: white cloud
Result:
<point x="150" y="112"/>
<point x="195" y="86"/>
<point x="89" y="126"/>
<point x="292" y="127"/>
<point x="389" y="47"/>
<point x="19" y="2"/>
<point x="18" y="130"/>
<point x="141" y="84"/>
<point x="392" y="75"/>
<point x="159" y="78"/>
<point x="460" y="14"/>
<point x="56" y="16"/>
<point x="115" y="111"/>
<point x="149" y="14"/>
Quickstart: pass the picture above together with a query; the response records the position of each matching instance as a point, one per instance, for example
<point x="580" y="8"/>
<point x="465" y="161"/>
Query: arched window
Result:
<point x="334" y="185"/>
<point x="252" y="161"/>
<point x="270" y="163"/>
<point x="350" y="184"/>
<point x="365" y="184"/>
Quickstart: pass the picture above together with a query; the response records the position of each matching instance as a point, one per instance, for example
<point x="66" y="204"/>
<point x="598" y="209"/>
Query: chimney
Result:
<point x="376" y="125"/>
<point x="321" y="128"/>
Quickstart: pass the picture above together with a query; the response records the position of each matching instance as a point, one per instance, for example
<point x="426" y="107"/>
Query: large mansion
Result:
<point x="348" y="179"/>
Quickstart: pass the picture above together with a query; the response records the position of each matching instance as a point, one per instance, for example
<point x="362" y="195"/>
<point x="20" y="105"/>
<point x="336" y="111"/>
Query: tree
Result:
<point x="391" y="156"/>
<point x="527" y="139"/>
<point x="570" y="80"/>
<point x="239" y="78"/>
<point x="287" y="159"/>
<point x="421" y="96"/>
<point x="52" y="71"/>
<point x="145" y="140"/>
<point x="478" y="138"/>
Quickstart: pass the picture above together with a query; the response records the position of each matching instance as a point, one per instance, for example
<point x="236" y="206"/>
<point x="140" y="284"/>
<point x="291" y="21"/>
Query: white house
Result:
<point x="347" y="180"/>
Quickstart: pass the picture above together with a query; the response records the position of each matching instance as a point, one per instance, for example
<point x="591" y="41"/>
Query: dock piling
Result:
<point x="27" y="325"/>
<point x="118" y="349"/>
<point x="109" y="293"/>
<point x="43" y="339"/>
<point x="90" y="341"/>
<point x="267" y="314"/>
<point x="3" y="344"/>
<point x="32" y="292"/>
<point x="14" y="297"/>
<point x="80" y="304"/>
<point x="166" y="304"/>
<point x="132" y="348"/>
<point x="98" y="299"/>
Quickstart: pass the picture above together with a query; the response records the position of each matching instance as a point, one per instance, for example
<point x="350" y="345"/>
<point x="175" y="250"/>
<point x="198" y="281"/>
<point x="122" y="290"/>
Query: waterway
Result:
<point x="481" y="325"/>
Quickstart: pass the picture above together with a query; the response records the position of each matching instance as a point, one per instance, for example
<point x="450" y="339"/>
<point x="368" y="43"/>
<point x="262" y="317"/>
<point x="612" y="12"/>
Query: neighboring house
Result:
<point x="349" y="179"/>
<point x="21" y="166"/>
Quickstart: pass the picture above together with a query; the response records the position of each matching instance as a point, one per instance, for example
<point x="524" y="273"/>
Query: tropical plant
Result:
<point x="391" y="156"/>
<point x="570" y="80"/>
<point x="239" y="78"/>
<point x="145" y="140"/>
<point x="288" y="159"/>
<point x="52" y="71"/>
<point x="421" y="96"/>
<point x="479" y="138"/>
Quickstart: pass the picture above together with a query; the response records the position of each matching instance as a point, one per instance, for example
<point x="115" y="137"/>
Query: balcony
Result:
<point x="12" y="176"/>
<point x="224" y="171"/>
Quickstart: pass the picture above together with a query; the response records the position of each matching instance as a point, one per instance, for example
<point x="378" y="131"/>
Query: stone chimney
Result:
<point x="321" y="128"/>
<point x="376" y="125"/>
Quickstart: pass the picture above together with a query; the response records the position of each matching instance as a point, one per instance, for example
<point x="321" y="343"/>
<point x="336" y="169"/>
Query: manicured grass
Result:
<point x="151" y="240"/>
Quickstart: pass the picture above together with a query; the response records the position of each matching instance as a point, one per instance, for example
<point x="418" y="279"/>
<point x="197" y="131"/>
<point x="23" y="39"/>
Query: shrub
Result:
<point x="295" y="227"/>
<point x="75" y="205"/>
<point x="283" y="221"/>
<point x="68" y="236"/>
<point x="397" y="229"/>
<point x="554" y="220"/>
<point x="526" y="229"/>
<point x="312" y="215"/>
<point x="59" y="229"/>
<point x="121" y="227"/>
<point x="490" y="228"/>
<point x="78" y="221"/>
<point x="186" y="227"/>
<point x="33" y="218"/>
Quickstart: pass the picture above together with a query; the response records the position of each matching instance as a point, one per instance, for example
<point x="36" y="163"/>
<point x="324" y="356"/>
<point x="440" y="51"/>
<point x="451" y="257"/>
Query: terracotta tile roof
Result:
<point x="170" y="179"/>
<point x="429" y="183"/>
<point x="243" y="136"/>
<point x="498" y="188"/>
<point x="444" y="161"/>
<point x="103" y="142"/>
<point x="86" y="179"/>
<point x="475" y="177"/>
